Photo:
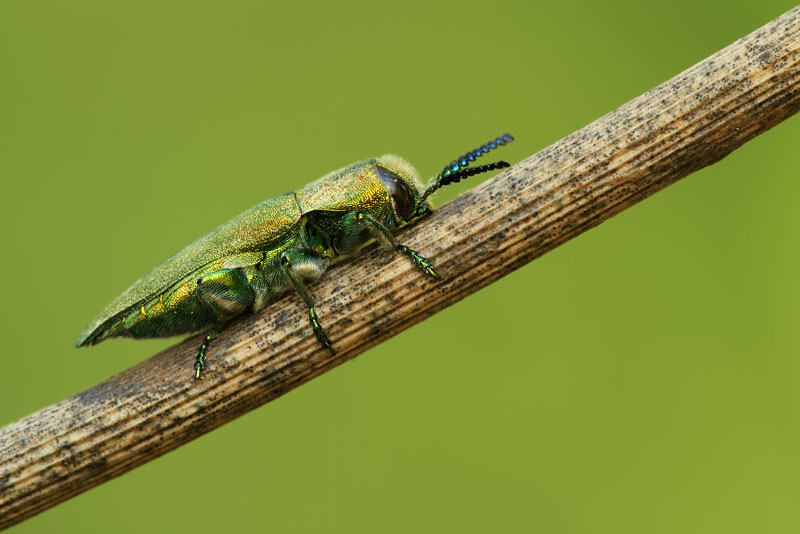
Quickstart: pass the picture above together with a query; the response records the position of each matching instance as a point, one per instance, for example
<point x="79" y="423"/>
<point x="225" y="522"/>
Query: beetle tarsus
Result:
<point x="422" y="264"/>
<point x="321" y="336"/>
<point x="200" y="363"/>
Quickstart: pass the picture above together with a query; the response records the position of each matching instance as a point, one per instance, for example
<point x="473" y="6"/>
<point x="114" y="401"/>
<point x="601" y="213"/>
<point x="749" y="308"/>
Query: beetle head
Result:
<point x="401" y="181"/>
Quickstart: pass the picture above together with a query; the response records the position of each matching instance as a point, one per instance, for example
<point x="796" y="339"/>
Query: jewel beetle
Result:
<point x="280" y="245"/>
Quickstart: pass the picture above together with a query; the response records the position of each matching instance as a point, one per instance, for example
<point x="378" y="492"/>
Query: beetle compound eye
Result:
<point x="399" y="192"/>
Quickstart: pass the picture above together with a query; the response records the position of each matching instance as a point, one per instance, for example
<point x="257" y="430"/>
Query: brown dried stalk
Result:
<point x="691" y="121"/>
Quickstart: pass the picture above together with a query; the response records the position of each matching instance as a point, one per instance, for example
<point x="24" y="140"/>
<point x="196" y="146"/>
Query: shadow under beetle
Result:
<point x="277" y="246"/>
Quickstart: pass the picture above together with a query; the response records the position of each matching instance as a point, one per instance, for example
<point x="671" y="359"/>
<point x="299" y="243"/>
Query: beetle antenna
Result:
<point x="457" y="176"/>
<point x="472" y="155"/>
<point x="459" y="168"/>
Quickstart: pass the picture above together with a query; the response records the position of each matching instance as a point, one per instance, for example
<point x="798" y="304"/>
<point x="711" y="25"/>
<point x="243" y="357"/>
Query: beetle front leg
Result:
<point x="355" y="222"/>
<point x="226" y="293"/>
<point x="293" y="261"/>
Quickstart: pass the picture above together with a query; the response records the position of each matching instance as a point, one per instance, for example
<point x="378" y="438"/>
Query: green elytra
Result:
<point x="277" y="246"/>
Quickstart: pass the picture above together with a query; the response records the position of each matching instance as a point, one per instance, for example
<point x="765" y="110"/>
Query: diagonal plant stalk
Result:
<point x="687" y="123"/>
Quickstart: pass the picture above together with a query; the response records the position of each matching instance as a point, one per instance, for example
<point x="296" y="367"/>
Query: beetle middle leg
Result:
<point x="293" y="262"/>
<point x="355" y="222"/>
<point x="226" y="293"/>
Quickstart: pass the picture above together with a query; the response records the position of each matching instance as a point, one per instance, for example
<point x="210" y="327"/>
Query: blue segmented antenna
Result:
<point x="459" y="168"/>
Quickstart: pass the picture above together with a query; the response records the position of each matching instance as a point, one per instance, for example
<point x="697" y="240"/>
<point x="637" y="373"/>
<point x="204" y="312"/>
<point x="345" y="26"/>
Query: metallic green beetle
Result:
<point x="278" y="246"/>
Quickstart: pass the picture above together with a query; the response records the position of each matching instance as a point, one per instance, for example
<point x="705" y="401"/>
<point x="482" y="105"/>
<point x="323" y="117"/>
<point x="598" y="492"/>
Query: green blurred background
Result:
<point x="651" y="386"/>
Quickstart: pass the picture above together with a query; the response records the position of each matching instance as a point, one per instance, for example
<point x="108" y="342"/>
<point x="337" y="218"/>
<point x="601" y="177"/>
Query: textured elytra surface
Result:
<point x="687" y="123"/>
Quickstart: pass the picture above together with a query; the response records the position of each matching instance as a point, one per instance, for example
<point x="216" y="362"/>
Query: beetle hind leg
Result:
<point x="226" y="293"/>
